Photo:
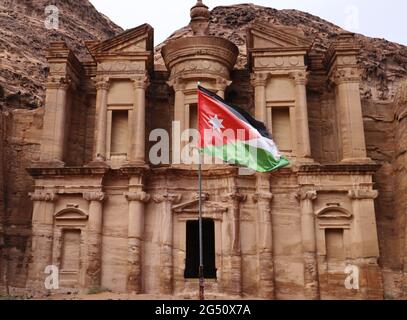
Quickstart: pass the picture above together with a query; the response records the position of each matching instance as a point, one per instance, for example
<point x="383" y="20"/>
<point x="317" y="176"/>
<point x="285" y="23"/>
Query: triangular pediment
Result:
<point x="136" y="40"/>
<point x="266" y="36"/>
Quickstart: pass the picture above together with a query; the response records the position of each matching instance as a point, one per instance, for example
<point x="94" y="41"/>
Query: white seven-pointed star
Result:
<point x="216" y="123"/>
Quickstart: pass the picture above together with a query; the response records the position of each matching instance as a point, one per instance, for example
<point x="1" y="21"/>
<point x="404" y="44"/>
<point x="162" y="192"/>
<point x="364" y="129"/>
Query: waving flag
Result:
<point x="231" y="134"/>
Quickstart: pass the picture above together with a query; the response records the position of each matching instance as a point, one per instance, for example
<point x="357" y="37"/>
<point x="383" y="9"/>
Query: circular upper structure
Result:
<point x="200" y="57"/>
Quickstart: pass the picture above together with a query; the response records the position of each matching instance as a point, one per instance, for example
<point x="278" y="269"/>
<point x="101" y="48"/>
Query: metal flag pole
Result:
<point x="201" y="265"/>
<point x="201" y="262"/>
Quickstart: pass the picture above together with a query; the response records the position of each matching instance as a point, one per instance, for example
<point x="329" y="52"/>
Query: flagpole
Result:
<point x="201" y="265"/>
<point x="201" y="262"/>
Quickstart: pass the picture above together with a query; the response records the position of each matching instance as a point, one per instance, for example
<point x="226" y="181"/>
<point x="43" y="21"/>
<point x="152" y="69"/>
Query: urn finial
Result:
<point x="200" y="15"/>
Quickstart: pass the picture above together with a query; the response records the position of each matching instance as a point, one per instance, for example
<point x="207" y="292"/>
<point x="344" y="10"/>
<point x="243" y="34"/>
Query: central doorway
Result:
<point x="192" y="249"/>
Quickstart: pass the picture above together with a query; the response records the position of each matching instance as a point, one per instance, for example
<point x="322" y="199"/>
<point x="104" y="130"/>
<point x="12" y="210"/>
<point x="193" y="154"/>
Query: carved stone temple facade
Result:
<point x="107" y="217"/>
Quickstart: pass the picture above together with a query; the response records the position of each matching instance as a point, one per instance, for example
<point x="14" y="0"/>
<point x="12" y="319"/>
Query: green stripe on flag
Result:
<point x="242" y="154"/>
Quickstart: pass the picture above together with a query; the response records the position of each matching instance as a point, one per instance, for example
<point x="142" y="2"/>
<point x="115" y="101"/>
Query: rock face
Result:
<point x="23" y="68"/>
<point x="23" y="40"/>
<point x="383" y="62"/>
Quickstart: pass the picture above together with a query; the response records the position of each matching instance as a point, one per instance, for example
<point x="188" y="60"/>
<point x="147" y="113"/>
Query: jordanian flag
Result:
<point x="231" y="134"/>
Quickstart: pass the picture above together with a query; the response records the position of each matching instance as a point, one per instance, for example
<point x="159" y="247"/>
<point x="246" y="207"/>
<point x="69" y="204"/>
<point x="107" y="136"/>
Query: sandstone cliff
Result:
<point x="23" y="69"/>
<point x="383" y="62"/>
<point x="24" y="38"/>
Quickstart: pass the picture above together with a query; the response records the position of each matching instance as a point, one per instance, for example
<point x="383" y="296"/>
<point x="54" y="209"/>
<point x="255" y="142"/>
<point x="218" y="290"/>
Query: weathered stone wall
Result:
<point x="2" y="207"/>
<point x="380" y="141"/>
<point x="21" y="146"/>
<point x="400" y="194"/>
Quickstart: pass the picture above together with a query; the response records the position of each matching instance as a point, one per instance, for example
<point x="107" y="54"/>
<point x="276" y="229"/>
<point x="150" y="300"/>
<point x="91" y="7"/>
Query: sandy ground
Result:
<point x="118" y="296"/>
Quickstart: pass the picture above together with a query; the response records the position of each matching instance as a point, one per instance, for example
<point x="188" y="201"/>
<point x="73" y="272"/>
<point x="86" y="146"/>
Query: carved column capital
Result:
<point x="268" y="196"/>
<point x="259" y="79"/>
<point x="306" y="195"/>
<point x="94" y="196"/>
<point x="234" y="196"/>
<point x="62" y="83"/>
<point x="299" y="77"/>
<point x="167" y="197"/>
<point x="141" y="82"/>
<point x="360" y="194"/>
<point x="222" y="83"/>
<point x="102" y="83"/>
<point x="345" y="75"/>
<point x="178" y="84"/>
<point x="137" y="196"/>
<point x="47" y="196"/>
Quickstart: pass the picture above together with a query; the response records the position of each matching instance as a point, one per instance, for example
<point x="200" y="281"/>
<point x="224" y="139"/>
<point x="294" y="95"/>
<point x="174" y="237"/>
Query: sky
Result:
<point x="374" y="18"/>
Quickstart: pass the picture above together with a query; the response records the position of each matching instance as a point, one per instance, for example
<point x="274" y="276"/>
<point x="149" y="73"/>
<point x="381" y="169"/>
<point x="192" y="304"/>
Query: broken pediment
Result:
<point x="71" y="214"/>
<point x="136" y="40"/>
<point x="210" y="209"/>
<point x="334" y="212"/>
<point x="262" y="35"/>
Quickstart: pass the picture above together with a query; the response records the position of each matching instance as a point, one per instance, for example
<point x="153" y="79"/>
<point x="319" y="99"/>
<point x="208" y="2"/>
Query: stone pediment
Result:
<point x="190" y="209"/>
<point x="137" y="40"/>
<point x="71" y="213"/>
<point x="261" y="35"/>
<point x="334" y="212"/>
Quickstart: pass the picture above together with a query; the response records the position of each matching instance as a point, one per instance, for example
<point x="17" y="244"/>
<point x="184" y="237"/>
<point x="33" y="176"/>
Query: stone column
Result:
<point x="263" y="198"/>
<point x="138" y="130"/>
<point x="135" y="240"/>
<point x="166" y="230"/>
<point x="221" y="85"/>
<point x="102" y="87"/>
<point x="350" y="117"/>
<point x="231" y="245"/>
<point x="259" y="82"/>
<point x="94" y="238"/>
<point x="42" y="238"/>
<point x="303" y="138"/>
<point x="365" y="243"/>
<point x="309" y="245"/>
<point x="55" y="121"/>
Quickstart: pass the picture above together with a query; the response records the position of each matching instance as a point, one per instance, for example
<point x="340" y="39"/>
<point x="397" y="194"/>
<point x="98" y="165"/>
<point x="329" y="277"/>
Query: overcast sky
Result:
<point x="374" y="18"/>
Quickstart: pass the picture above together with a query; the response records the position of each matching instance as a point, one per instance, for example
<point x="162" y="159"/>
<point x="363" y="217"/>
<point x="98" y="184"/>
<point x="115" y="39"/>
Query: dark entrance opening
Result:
<point x="192" y="244"/>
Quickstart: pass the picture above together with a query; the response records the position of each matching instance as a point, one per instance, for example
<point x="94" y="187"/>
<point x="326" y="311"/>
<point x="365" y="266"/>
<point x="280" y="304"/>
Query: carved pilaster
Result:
<point x="166" y="240"/>
<point x="42" y="235"/>
<point x="95" y="227"/>
<point x="135" y="240"/>
<point x="364" y="228"/>
<point x="309" y="248"/>
<point x="102" y="86"/>
<point x="231" y="244"/>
